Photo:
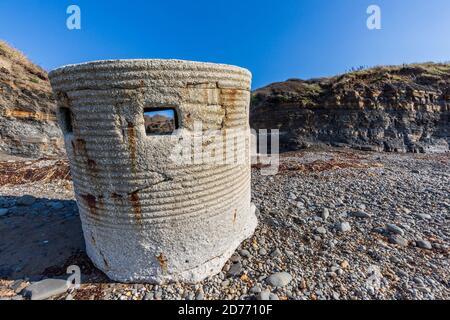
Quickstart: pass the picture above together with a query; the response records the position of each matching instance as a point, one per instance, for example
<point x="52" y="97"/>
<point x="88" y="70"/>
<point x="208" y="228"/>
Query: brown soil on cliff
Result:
<point x="27" y="108"/>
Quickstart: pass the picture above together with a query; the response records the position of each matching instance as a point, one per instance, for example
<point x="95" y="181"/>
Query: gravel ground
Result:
<point x="333" y="224"/>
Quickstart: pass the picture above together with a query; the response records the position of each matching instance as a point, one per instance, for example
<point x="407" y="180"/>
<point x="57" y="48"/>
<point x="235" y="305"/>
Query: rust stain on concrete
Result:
<point x="91" y="202"/>
<point x="79" y="148"/>
<point x="132" y="144"/>
<point x="73" y="148"/>
<point x="135" y="203"/>
<point x="93" y="240"/>
<point x="116" y="196"/>
<point x="92" y="165"/>
<point x="162" y="262"/>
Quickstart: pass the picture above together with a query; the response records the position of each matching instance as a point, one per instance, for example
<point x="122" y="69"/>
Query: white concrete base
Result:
<point x="197" y="274"/>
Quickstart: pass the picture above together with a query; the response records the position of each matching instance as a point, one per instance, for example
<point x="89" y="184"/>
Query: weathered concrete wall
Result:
<point x="146" y="217"/>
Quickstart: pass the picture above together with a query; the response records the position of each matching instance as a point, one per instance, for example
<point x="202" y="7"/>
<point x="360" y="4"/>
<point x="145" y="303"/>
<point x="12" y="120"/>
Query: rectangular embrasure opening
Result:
<point x="66" y="119"/>
<point x="160" y="121"/>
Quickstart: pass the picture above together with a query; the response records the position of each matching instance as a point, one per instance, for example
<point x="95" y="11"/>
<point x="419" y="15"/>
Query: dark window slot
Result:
<point x="66" y="120"/>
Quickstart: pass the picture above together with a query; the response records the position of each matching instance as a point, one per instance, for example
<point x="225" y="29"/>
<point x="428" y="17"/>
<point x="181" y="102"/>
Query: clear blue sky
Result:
<point x="276" y="39"/>
<point x="165" y="113"/>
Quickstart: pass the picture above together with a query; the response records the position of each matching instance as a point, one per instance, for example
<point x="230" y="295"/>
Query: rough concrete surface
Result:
<point x="145" y="217"/>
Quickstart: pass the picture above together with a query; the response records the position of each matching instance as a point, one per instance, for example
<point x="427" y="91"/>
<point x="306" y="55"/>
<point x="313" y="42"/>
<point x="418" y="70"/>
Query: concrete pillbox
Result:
<point x="146" y="216"/>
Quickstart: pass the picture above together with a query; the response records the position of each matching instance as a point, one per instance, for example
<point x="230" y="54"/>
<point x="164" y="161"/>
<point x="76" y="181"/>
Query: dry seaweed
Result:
<point x="42" y="170"/>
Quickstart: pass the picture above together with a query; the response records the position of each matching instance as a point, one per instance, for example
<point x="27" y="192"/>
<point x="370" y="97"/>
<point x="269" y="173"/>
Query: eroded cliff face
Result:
<point x="27" y="110"/>
<point x="401" y="109"/>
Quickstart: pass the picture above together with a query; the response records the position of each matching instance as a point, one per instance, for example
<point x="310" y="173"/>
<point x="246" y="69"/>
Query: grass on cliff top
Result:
<point x="401" y="73"/>
<point x="427" y="67"/>
<point x="12" y="54"/>
<point x="309" y="92"/>
<point x="293" y="90"/>
<point x="17" y="57"/>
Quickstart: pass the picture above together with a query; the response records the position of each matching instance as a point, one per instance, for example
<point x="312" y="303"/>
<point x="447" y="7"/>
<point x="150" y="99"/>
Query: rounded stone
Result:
<point x="235" y="270"/>
<point x="279" y="279"/>
<point x="255" y="289"/>
<point x="200" y="296"/>
<point x="26" y="200"/>
<point x="423" y="216"/>
<point x="344" y="227"/>
<point x="360" y="214"/>
<point x="276" y="253"/>
<point x="398" y="239"/>
<point x="245" y="253"/>
<point x="321" y="230"/>
<point x="56" y="205"/>
<point x="3" y="212"/>
<point x="273" y="296"/>
<point x="325" y="213"/>
<point x="149" y="212"/>
<point x="424" y="244"/>
<point x="263" y="295"/>
<point x="395" y="229"/>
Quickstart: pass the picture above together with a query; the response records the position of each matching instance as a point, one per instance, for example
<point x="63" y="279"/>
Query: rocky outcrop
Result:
<point x="27" y="110"/>
<point x="158" y="124"/>
<point x="402" y="109"/>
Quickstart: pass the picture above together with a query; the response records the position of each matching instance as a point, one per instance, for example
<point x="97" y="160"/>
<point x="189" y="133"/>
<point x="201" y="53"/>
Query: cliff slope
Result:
<point x="27" y="109"/>
<point x="396" y="108"/>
